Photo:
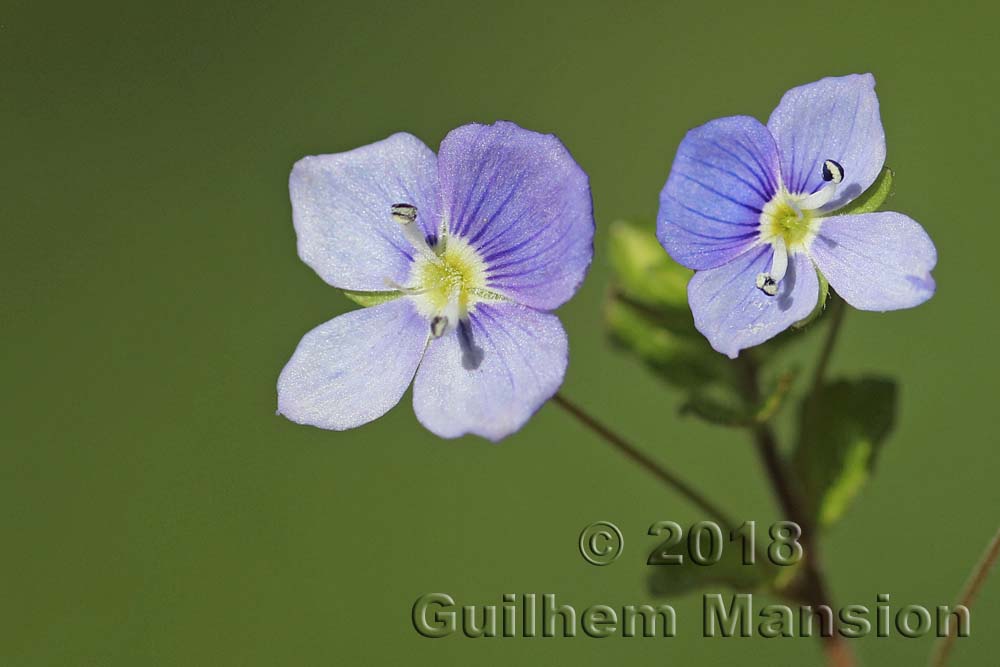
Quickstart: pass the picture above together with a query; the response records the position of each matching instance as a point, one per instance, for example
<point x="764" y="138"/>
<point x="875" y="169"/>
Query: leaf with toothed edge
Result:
<point x="647" y="311"/>
<point x="842" y="428"/>
<point x="644" y="271"/>
<point x="682" y="360"/>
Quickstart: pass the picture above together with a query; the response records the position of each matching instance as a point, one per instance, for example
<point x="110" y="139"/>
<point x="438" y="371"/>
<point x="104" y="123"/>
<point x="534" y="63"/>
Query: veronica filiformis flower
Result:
<point x="753" y="209"/>
<point x="467" y="252"/>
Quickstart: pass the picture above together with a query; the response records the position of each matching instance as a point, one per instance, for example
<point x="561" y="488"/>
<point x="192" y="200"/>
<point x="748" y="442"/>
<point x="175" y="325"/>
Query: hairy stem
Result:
<point x="836" y="317"/>
<point x="968" y="596"/>
<point x="670" y="478"/>
<point x="813" y="590"/>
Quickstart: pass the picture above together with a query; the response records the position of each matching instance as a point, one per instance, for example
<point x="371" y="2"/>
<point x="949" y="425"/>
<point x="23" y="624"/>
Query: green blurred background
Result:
<point x="156" y="511"/>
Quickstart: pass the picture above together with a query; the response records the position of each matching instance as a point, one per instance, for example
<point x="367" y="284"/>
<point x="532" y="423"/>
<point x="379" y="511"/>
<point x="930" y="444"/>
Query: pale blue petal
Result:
<point x="524" y="204"/>
<point x="876" y="261"/>
<point x="724" y="173"/>
<point x="492" y="384"/>
<point x="354" y="368"/>
<point x="837" y="119"/>
<point x="341" y="209"/>
<point x="734" y="315"/>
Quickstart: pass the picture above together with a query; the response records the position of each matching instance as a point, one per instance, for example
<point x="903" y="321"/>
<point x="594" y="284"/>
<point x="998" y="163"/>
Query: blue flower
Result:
<point x="467" y="252"/>
<point x="752" y="208"/>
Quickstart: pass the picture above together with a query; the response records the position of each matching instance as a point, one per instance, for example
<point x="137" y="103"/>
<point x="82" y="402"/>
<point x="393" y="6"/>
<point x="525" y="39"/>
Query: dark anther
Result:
<point x="767" y="284"/>
<point x="404" y="214"/>
<point x="438" y="325"/>
<point x="832" y="171"/>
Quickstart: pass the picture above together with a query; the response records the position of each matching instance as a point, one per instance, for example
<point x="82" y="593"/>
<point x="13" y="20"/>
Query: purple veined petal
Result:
<point x="724" y="173"/>
<point x="491" y="386"/>
<point x="341" y="209"/>
<point x="733" y="314"/>
<point x="876" y="261"/>
<point x="354" y="368"/>
<point x="836" y="118"/>
<point x="524" y="204"/>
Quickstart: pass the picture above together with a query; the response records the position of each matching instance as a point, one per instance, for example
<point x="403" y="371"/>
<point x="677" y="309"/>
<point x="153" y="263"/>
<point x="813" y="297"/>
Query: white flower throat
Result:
<point x="789" y="223"/>
<point x="447" y="278"/>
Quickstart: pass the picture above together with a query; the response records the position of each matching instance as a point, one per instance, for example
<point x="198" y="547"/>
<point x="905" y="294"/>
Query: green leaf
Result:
<point x="872" y="198"/>
<point x="669" y="579"/>
<point x="367" y="299"/>
<point x="734" y="412"/>
<point x="842" y="428"/>
<point x="647" y="311"/>
<point x="643" y="268"/>
<point x="681" y="359"/>
<point x="722" y="412"/>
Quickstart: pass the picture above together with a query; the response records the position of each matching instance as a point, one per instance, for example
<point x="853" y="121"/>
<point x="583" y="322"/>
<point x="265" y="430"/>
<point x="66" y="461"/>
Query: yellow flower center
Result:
<point x="783" y="217"/>
<point x="456" y="275"/>
<point x="790" y="222"/>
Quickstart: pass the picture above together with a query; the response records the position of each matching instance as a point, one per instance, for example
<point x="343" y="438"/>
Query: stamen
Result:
<point x="450" y="317"/>
<point x="779" y="263"/>
<point x="795" y="207"/>
<point x="833" y="174"/>
<point x="406" y="216"/>
<point x="452" y="312"/>
<point x="832" y="171"/>
<point x="768" y="282"/>
<point x="439" y="325"/>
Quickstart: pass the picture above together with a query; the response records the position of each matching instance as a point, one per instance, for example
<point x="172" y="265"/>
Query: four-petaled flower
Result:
<point x="475" y="246"/>
<point x="749" y="208"/>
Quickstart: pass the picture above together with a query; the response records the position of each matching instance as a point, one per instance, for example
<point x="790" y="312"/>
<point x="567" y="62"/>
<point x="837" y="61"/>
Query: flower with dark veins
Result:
<point x="753" y="209"/>
<point x="465" y="254"/>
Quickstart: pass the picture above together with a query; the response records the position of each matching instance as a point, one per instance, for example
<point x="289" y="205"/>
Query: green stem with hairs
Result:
<point x="968" y="596"/>
<point x="835" y="313"/>
<point x="812" y="588"/>
<point x="636" y="455"/>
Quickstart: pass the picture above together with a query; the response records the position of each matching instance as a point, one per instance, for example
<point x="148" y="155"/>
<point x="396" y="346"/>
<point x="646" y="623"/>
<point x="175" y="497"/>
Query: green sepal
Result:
<point x="872" y="198"/>
<point x="483" y="294"/>
<point x="824" y="294"/>
<point x="842" y="428"/>
<point x="367" y="299"/>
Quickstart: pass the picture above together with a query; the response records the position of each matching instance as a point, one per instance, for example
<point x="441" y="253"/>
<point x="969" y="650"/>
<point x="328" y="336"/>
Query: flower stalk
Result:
<point x="634" y="454"/>
<point x="812" y="588"/>
<point x="835" y="313"/>
<point x="968" y="596"/>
